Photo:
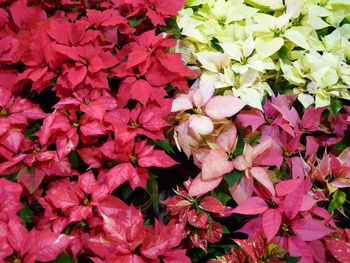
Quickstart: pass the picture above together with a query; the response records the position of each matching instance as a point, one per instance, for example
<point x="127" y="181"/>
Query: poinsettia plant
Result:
<point x="174" y="131"/>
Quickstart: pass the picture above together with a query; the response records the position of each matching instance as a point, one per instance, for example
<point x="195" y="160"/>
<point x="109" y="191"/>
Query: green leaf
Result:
<point x="233" y="177"/>
<point x="216" y="45"/>
<point x="291" y="259"/>
<point x="338" y="200"/>
<point x="335" y="106"/>
<point x="29" y="131"/>
<point x="239" y="147"/>
<point x="172" y="27"/>
<point x="282" y="53"/>
<point x="165" y="145"/>
<point x="25" y="213"/>
<point x="152" y="188"/>
<point x="135" y="22"/>
<point x="225" y="229"/>
<point x="74" y="159"/>
<point x="221" y="196"/>
<point x="12" y="177"/>
<point x="124" y="192"/>
<point x="109" y="69"/>
<point x="63" y="258"/>
<point x="344" y="143"/>
<point x="147" y="222"/>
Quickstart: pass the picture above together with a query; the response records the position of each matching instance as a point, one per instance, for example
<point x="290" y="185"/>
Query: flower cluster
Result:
<point x="274" y="163"/>
<point x="83" y="101"/>
<point x="240" y="106"/>
<point x="268" y="159"/>
<point x="255" y="47"/>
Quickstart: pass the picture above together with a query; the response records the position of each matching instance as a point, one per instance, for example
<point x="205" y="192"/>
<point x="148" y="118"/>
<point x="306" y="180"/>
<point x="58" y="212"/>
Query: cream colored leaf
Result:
<point x="266" y="48"/>
<point x="305" y="99"/>
<point x="315" y="21"/>
<point x="297" y="38"/>
<point x="233" y="50"/>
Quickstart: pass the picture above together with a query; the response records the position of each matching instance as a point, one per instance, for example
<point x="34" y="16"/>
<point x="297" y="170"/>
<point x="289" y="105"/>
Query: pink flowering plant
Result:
<point x="122" y="139"/>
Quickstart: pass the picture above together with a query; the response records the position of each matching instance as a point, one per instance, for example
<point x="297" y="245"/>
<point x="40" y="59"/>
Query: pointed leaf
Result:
<point x="220" y="107"/>
<point x="199" y="186"/>
<point x="251" y="206"/>
<point x="216" y="164"/>
<point x="310" y="229"/>
<point x="338" y="248"/>
<point x="271" y="222"/>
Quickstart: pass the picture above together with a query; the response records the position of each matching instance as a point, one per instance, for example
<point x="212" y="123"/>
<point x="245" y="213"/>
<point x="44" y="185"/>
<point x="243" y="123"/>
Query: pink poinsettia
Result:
<point x="208" y="109"/>
<point x="338" y="167"/>
<point x="216" y="163"/>
<point x="250" y="163"/>
<point x="287" y="219"/>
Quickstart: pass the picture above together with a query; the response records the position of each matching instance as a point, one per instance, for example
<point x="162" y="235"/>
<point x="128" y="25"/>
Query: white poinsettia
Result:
<point x="256" y="47"/>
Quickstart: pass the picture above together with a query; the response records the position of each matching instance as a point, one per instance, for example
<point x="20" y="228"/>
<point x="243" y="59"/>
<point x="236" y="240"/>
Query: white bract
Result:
<point x="251" y="48"/>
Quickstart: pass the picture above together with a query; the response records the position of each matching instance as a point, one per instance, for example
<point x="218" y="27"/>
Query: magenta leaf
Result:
<point x="251" y="206"/>
<point x="271" y="222"/>
<point x="310" y="229"/>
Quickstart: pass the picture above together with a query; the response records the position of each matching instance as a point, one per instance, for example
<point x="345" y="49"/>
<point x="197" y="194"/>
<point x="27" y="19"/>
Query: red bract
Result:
<point x="10" y="194"/>
<point x="124" y="234"/>
<point x="339" y="246"/>
<point x="31" y="246"/>
<point x="88" y="65"/>
<point x="134" y="156"/>
<point x="157" y="10"/>
<point x="200" y="228"/>
<point x="146" y="120"/>
<point x="77" y="201"/>
<point x="146" y="57"/>
<point x="15" y="112"/>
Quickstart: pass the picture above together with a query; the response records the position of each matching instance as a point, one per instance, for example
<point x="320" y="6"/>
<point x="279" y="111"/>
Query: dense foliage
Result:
<point x="172" y="131"/>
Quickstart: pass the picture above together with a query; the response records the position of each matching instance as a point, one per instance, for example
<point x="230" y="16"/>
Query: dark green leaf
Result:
<point x="233" y="177"/>
<point x="124" y="192"/>
<point x="135" y="22"/>
<point x="225" y="229"/>
<point x="338" y="200"/>
<point x="344" y="143"/>
<point x="239" y="147"/>
<point x="283" y="53"/>
<point x="12" y="177"/>
<point x="63" y="258"/>
<point x="221" y="196"/>
<point x="165" y="145"/>
<point x="152" y="188"/>
<point x="74" y="159"/>
<point x="335" y="106"/>
<point x="291" y="259"/>
<point x="216" y="45"/>
<point x="109" y="69"/>
<point x="171" y="26"/>
<point x="321" y="33"/>
<point x="147" y="222"/>
<point x="29" y="131"/>
<point x="25" y="213"/>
